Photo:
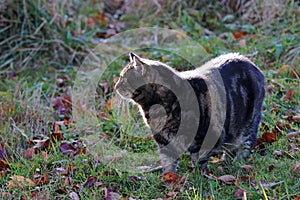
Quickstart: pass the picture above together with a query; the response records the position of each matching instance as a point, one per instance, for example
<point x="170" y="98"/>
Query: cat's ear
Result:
<point x="137" y="63"/>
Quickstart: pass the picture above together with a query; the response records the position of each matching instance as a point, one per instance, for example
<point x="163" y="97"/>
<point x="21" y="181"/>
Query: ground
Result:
<point x="46" y="152"/>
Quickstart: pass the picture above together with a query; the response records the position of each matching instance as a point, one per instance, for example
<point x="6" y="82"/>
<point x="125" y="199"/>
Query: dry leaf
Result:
<point x="170" y="177"/>
<point x="242" y="43"/>
<point x="228" y="179"/>
<point x="296" y="167"/>
<point x="289" y="95"/>
<point x="277" y="153"/>
<point x="29" y="154"/>
<point x="110" y="195"/>
<point x="100" y="17"/>
<point x="44" y="180"/>
<point x="292" y="134"/>
<point x="247" y="168"/>
<point x="240" y="193"/>
<point x="90" y="181"/>
<point x="3" y="164"/>
<point x="20" y="182"/>
<point x="238" y="34"/>
<point x="74" y="196"/>
<point x="269" y="137"/>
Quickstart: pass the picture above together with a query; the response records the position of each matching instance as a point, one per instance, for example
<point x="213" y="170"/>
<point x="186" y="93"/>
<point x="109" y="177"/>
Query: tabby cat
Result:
<point x="159" y="90"/>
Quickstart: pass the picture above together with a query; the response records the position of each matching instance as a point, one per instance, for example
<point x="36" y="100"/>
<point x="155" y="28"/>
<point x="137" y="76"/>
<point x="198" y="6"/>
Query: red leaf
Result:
<point x="238" y="34"/>
<point x="269" y="137"/>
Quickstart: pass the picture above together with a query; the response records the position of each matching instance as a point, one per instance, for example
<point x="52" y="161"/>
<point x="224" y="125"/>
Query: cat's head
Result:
<point x="132" y="76"/>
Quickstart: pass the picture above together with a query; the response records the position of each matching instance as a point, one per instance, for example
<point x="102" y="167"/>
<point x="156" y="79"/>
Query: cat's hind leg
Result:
<point x="248" y="138"/>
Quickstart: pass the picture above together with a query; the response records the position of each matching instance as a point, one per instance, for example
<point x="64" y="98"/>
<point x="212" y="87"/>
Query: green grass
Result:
<point x="41" y="43"/>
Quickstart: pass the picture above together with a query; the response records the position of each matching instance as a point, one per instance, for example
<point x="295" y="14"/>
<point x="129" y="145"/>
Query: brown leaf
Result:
<point x="269" y="137"/>
<point x="29" y="154"/>
<point x="136" y="178"/>
<point x="90" y="181"/>
<point x="228" y="179"/>
<point x="110" y="195"/>
<point x="172" y="194"/>
<point x="3" y="164"/>
<point x="265" y="184"/>
<point x="292" y="134"/>
<point x="170" y="177"/>
<point x="63" y="105"/>
<point x="216" y="160"/>
<point x="20" y="182"/>
<point x="240" y="193"/>
<point x="67" y="148"/>
<point x="44" y="143"/>
<point x="247" y="168"/>
<point x="271" y="168"/>
<point x="57" y="137"/>
<point x="296" y="167"/>
<point x="44" y="180"/>
<point x="100" y="17"/>
<point x="289" y="95"/>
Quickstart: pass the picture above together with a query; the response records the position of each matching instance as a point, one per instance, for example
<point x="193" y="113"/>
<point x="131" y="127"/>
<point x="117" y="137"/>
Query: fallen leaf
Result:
<point x="228" y="179"/>
<point x="292" y="134"/>
<point x="247" y="168"/>
<point x="265" y="184"/>
<point x="269" y="137"/>
<point x="110" y="195"/>
<point x="44" y="143"/>
<point x="294" y="147"/>
<point x="289" y="95"/>
<point x="3" y="164"/>
<point x="136" y="178"/>
<point x="242" y="43"/>
<point x="277" y="153"/>
<point x="44" y="180"/>
<point x="216" y="160"/>
<point x="240" y="193"/>
<point x="74" y="196"/>
<point x="172" y="194"/>
<point x="296" y="167"/>
<point x="63" y="105"/>
<point x="238" y="34"/>
<point x="20" y="182"/>
<point x="100" y="17"/>
<point x="67" y="148"/>
<point x="170" y="177"/>
<point x="90" y="181"/>
<point x="29" y="154"/>
<point x="271" y="168"/>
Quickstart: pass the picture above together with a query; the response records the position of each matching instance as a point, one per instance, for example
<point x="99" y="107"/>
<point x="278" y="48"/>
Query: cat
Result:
<point x="159" y="90"/>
